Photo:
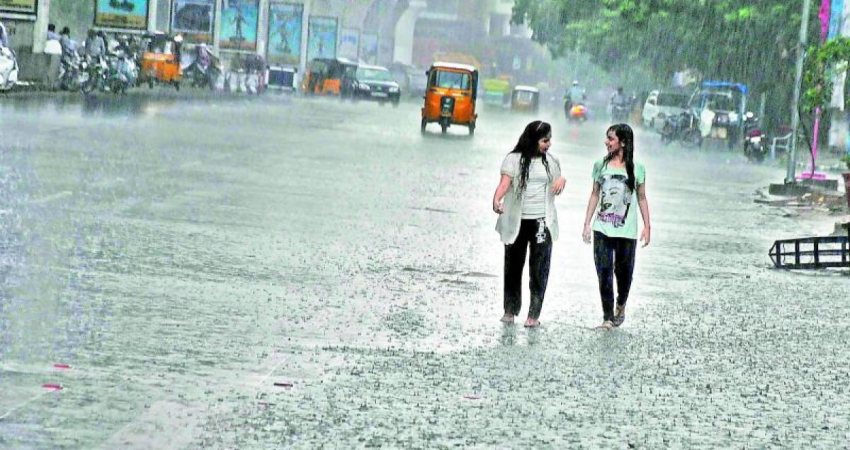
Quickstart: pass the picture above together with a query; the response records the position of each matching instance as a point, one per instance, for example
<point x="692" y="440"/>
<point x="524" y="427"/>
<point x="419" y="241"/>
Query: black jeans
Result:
<point x="613" y="256"/>
<point x="533" y="234"/>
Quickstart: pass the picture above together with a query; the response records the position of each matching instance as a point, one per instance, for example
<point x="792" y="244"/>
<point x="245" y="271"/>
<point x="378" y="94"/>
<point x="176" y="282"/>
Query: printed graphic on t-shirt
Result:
<point x="616" y="200"/>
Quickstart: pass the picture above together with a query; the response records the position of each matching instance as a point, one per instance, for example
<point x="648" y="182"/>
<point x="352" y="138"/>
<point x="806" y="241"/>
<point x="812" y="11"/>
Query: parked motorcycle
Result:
<point x="122" y="73"/>
<point x="683" y="127"/>
<point x="754" y="139"/>
<point x="8" y="69"/>
<point x="93" y="70"/>
<point x="205" y="69"/>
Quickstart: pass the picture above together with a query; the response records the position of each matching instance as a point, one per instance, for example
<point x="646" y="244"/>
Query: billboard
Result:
<point x="132" y="14"/>
<point x="239" y="19"/>
<point x="19" y="6"/>
<point x="349" y="43"/>
<point x="284" y="40"/>
<point x="194" y="19"/>
<point x="321" y="37"/>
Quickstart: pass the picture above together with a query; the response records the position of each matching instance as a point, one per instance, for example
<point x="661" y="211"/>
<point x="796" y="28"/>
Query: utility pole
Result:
<point x="795" y="115"/>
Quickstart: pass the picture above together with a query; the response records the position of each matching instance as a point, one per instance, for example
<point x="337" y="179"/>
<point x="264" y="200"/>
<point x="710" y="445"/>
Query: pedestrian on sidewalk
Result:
<point x="525" y="202"/>
<point x="618" y="187"/>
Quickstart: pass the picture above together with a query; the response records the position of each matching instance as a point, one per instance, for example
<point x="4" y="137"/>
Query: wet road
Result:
<point x="278" y="272"/>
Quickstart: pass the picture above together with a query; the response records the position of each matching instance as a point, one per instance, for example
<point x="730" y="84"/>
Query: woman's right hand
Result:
<point x="498" y="207"/>
<point x="585" y="234"/>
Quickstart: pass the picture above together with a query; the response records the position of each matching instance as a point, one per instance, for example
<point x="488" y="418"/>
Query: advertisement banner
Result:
<point x="239" y="19"/>
<point x="194" y="19"/>
<point x="321" y="37"/>
<point x="132" y="14"/>
<point x="19" y="6"/>
<point x="284" y="40"/>
<point x="369" y="48"/>
<point x="349" y="43"/>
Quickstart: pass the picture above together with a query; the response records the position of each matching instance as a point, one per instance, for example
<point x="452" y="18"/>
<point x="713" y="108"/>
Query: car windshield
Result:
<point x="451" y="80"/>
<point x="374" y="74"/>
<point x="677" y="100"/>
<point x="717" y="101"/>
<point x="524" y="96"/>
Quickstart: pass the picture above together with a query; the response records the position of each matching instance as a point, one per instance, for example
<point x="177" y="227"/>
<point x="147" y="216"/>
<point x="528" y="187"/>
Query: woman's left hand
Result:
<point x="644" y="237"/>
<point x="558" y="185"/>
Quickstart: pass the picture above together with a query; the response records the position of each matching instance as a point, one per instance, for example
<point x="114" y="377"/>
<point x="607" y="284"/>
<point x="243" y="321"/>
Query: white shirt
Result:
<point x="509" y="221"/>
<point x="534" y="206"/>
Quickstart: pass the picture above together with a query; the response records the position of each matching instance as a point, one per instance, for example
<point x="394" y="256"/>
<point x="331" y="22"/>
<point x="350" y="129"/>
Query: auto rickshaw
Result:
<point x="450" y="96"/>
<point x="525" y="99"/>
<point x="324" y="76"/>
<point x="161" y="60"/>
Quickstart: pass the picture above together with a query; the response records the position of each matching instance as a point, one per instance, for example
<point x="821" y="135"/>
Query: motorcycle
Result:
<point x="577" y="113"/>
<point x="122" y="73"/>
<point x="205" y="70"/>
<point x="8" y="69"/>
<point x="754" y="146"/>
<point x="94" y="74"/>
<point x="683" y="127"/>
<point x="620" y="112"/>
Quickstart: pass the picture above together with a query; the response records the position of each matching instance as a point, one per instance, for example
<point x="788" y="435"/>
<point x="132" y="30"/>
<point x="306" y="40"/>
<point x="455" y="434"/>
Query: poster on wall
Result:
<point x="349" y="43"/>
<point x="19" y="6"/>
<point x="131" y="14"/>
<point x="194" y="19"/>
<point x="369" y="48"/>
<point x="321" y="38"/>
<point x="284" y="41"/>
<point x="239" y="19"/>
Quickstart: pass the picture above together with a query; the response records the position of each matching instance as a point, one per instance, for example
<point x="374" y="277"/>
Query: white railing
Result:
<point x="781" y="143"/>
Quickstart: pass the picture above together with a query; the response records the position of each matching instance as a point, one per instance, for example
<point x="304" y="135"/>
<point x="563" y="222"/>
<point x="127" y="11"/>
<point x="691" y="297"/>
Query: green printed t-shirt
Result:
<point x="616" y="215"/>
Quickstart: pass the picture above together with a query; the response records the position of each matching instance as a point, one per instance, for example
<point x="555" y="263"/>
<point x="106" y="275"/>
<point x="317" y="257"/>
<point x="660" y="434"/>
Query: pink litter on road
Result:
<point x="61" y="366"/>
<point x="52" y="386"/>
<point x="472" y="397"/>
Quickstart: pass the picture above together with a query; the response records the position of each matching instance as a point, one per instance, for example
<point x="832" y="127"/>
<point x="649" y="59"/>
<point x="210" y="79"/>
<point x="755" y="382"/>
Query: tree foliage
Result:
<point x="752" y="41"/>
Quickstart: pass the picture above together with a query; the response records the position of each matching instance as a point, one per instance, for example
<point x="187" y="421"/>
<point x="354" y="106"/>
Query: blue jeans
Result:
<point x="533" y="234"/>
<point x="613" y="257"/>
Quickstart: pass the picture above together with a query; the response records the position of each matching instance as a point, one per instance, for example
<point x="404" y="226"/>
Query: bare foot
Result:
<point x="507" y="318"/>
<point x="532" y="323"/>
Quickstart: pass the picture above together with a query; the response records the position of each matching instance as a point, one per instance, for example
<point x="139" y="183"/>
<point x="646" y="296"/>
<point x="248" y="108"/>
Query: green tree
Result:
<point x="745" y="41"/>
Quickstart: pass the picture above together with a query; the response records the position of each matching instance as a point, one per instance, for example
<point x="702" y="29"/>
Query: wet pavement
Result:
<point x="282" y="272"/>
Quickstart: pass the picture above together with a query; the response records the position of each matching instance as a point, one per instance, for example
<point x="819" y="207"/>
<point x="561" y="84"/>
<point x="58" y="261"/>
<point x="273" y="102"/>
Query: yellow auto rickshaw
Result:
<point x="325" y="76"/>
<point x="450" y="96"/>
<point x="525" y="99"/>
<point x="161" y="60"/>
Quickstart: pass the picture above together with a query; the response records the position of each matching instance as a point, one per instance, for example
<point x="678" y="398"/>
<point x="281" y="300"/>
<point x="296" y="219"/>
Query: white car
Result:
<point x="659" y="105"/>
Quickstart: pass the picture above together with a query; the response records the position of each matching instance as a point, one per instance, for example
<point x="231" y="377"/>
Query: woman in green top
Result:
<point x="618" y="186"/>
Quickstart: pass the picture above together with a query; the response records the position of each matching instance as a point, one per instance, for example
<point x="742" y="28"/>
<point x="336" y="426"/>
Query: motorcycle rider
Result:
<point x="575" y="94"/>
<point x="619" y="103"/>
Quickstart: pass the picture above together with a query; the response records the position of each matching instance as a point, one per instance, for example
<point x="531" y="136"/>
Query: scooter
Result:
<point x="754" y="146"/>
<point x="8" y="69"/>
<point x="577" y="114"/>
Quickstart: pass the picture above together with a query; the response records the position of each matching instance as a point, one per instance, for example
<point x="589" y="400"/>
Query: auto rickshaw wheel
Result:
<point x="471" y="128"/>
<point x="177" y="85"/>
<point x="150" y="83"/>
<point x="424" y="124"/>
<point x="444" y="127"/>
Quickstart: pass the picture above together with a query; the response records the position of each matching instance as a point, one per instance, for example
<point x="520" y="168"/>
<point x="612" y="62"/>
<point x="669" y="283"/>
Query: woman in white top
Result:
<point x="524" y="200"/>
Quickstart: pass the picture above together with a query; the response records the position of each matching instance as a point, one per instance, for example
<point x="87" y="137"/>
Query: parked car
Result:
<point x="411" y="80"/>
<point x="660" y="105"/>
<point x="371" y="83"/>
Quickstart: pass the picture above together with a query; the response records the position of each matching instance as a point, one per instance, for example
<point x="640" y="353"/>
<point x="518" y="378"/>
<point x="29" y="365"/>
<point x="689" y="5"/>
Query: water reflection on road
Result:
<point x="184" y="255"/>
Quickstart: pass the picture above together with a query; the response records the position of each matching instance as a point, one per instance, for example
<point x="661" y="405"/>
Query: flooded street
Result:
<point x="285" y="272"/>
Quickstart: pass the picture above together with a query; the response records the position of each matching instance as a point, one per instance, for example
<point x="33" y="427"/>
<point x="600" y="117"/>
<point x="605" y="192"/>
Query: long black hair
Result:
<point x="527" y="147"/>
<point x="627" y="145"/>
